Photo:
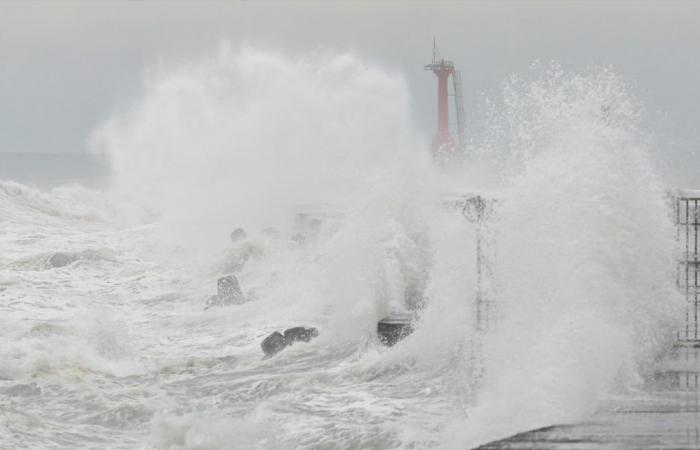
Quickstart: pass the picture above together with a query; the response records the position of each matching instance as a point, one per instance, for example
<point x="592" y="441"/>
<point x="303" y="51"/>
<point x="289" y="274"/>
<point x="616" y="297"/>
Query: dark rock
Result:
<point x="394" y="327"/>
<point x="295" y="334"/>
<point x="238" y="234"/>
<point x="228" y="292"/>
<point x="273" y="344"/>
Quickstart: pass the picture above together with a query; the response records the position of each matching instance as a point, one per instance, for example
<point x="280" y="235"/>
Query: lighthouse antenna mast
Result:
<point x="443" y="146"/>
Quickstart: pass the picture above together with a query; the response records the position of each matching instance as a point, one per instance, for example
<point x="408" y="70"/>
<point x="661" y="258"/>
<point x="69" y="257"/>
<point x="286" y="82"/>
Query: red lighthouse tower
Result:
<point x="444" y="147"/>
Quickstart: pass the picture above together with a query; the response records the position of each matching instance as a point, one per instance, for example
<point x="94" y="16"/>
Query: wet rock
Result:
<point x="277" y="341"/>
<point x="228" y="292"/>
<point x="64" y="259"/>
<point x="238" y="235"/>
<point x="273" y="344"/>
<point x="394" y="327"/>
<point x="295" y="334"/>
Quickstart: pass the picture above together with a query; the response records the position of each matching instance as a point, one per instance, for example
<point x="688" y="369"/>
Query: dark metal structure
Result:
<point x="687" y="206"/>
<point x="479" y="210"/>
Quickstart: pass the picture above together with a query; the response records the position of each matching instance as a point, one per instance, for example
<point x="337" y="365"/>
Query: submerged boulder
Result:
<point x="62" y="259"/>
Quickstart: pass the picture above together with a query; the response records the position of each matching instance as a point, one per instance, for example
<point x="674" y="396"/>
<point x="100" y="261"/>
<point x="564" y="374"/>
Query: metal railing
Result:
<point x="479" y="211"/>
<point x="687" y="209"/>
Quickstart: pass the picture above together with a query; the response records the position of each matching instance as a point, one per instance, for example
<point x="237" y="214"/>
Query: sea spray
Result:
<point x="586" y="287"/>
<point x="244" y="137"/>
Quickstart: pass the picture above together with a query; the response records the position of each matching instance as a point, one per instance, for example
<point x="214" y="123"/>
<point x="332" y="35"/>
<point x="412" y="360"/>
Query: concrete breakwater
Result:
<point x="665" y="415"/>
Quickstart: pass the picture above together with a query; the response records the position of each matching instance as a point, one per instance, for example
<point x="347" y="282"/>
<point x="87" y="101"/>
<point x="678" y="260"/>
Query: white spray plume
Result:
<point x="586" y="257"/>
<point x="244" y="137"/>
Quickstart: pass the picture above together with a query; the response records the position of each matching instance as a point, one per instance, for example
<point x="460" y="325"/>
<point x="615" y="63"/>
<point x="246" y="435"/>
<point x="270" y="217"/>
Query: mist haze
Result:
<point x="68" y="65"/>
<point x="229" y="225"/>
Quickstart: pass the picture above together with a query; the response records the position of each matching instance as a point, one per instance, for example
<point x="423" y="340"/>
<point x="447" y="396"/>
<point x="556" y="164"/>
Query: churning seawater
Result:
<point x="106" y="342"/>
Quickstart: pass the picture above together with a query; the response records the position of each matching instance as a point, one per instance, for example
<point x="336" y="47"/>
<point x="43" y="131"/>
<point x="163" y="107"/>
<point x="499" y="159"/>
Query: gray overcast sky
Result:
<point x="67" y="65"/>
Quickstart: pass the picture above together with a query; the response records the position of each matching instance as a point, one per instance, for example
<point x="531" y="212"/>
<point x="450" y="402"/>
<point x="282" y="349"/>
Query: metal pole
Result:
<point x="696" y="267"/>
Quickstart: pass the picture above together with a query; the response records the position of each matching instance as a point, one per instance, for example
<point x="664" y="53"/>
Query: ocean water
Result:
<point x="104" y="275"/>
<point x="49" y="170"/>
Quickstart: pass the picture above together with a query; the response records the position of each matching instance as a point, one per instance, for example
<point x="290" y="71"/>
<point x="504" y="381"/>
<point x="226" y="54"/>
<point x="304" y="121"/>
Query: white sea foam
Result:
<point x="111" y="341"/>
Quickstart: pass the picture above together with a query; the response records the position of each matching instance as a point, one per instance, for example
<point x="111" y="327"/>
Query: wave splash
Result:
<point x="586" y="297"/>
<point x="247" y="136"/>
<point x="583" y="287"/>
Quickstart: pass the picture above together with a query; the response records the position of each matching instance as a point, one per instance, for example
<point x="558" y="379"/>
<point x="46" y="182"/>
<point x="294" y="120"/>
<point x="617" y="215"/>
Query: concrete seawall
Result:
<point x="665" y="415"/>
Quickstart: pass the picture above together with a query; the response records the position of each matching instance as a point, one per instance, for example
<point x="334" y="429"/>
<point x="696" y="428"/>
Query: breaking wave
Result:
<point x="21" y="203"/>
<point x="585" y="270"/>
<point x="580" y="278"/>
<point x="247" y="136"/>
